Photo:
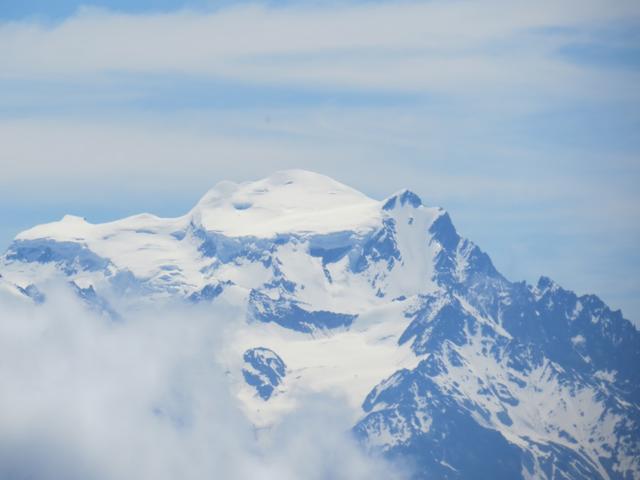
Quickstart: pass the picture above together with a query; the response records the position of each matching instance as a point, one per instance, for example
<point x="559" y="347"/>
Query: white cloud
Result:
<point x="458" y="47"/>
<point x="84" y="397"/>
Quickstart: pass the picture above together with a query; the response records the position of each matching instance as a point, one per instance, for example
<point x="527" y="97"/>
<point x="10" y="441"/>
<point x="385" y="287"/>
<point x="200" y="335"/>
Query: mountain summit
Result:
<point x="288" y="201"/>
<point x="444" y="363"/>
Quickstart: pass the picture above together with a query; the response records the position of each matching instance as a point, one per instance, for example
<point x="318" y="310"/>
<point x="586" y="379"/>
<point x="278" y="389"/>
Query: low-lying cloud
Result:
<point x="84" y="397"/>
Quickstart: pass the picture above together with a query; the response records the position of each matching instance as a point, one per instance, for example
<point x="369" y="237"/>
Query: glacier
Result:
<point x="445" y="364"/>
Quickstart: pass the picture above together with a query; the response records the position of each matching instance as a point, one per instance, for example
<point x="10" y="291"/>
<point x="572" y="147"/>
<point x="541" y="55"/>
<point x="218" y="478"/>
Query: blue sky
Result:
<point x="520" y="118"/>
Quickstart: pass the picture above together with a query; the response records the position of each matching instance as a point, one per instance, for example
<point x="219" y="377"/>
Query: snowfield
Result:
<point x="441" y="362"/>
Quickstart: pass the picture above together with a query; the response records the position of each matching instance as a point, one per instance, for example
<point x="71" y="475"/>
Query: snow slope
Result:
<point x="440" y="359"/>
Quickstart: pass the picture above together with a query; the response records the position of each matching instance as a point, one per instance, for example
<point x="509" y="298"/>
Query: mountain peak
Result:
<point x="305" y="177"/>
<point x="402" y="198"/>
<point x="286" y="201"/>
<point x="546" y="284"/>
<point x="294" y="178"/>
<point x="73" y="219"/>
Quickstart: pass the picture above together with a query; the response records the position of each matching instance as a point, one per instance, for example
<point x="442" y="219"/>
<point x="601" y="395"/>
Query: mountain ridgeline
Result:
<point x="448" y="366"/>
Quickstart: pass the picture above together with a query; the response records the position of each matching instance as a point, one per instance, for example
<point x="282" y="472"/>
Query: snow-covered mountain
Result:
<point x="444" y="363"/>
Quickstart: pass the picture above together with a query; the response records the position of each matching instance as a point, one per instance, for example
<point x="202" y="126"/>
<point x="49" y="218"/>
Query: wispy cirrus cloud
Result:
<point x="444" y="47"/>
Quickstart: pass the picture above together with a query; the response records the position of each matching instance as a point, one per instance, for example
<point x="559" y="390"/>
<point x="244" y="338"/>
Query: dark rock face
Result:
<point x="290" y="314"/>
<point x="491" y="348"/>
<point x="264" y="370"/>
<point x="70" y="256"/>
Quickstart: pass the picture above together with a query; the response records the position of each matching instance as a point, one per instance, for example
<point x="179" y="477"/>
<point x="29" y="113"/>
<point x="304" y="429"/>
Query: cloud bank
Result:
<point x="88" y="398"/>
